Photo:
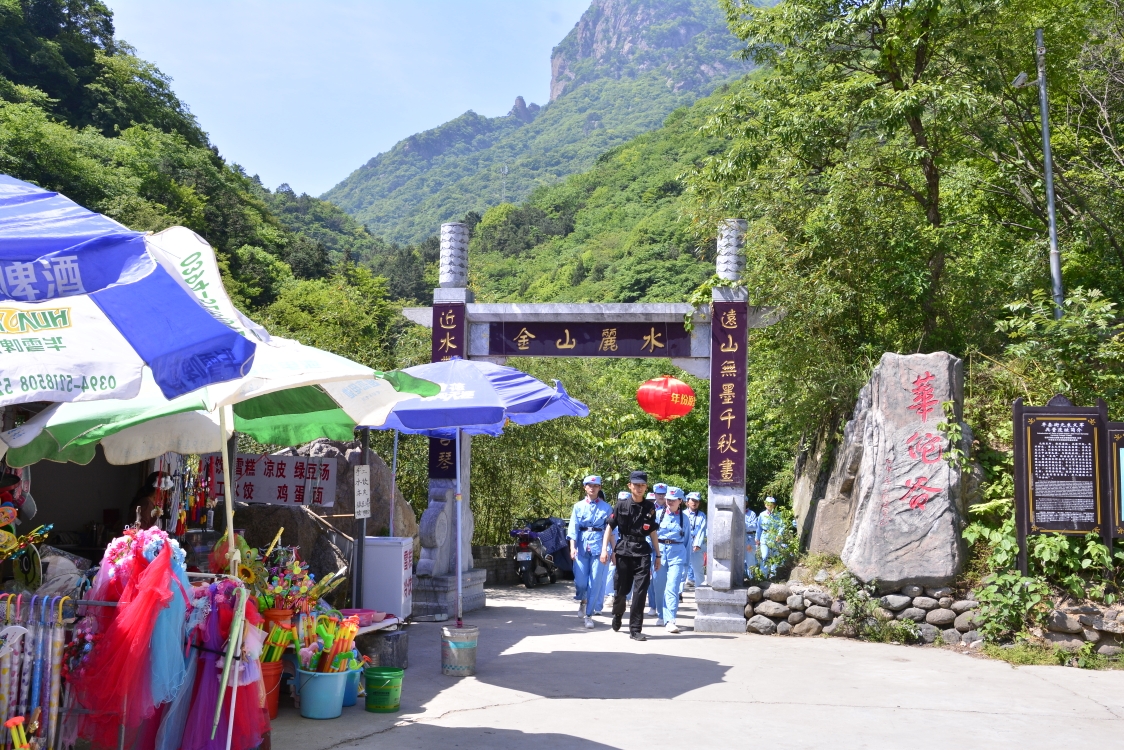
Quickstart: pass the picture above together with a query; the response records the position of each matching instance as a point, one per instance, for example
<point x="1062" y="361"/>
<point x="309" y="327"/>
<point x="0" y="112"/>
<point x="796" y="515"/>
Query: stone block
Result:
<point x="748" y="611"/>
<point x="942" y="618"/>
<point x="783" y="628"/>
<point x="925" y="602"/>
<point x="818" y="596"/>
<point x="883" y="614"/>
<point x="1091" y="636"/>
<point x="966" y="621"/>
<point x="964" y="605"/>
<point x="720" y="611"/>
<point x="895" y="602"/>
<point x="777" y="592"/>
<point x="840" y="627"/>
<point x="1066" y="641"/>
<point x="759" y="624"/>
<point x="435" y="595"/>
<point x="945" y="602"/>
<point x="795" y="602"/>
<point x="823" y="614"/>
<point x="753" y="594"/>
<point x="796" y="618"/>
<point x="808" y="627"/>
<point x="938" y="592"/>
<point x="772" y="609"/>
<point x="970" y="637"/>
<point x="1108" y="649"/>
<point x="929" y="633"/>
<point x="1060" y="622"/>
<point x="912" y="591"/>
<point x="951" y="636"/>
<point x="912" y="613"/>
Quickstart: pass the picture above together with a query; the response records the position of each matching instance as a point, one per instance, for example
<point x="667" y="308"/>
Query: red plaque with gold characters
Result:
<point x="449" y="328"/>
<point x="729" y="333"/>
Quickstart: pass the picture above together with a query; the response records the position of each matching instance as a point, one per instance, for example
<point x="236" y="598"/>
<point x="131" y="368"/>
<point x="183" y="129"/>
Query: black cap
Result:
<point x="638" y="477"/>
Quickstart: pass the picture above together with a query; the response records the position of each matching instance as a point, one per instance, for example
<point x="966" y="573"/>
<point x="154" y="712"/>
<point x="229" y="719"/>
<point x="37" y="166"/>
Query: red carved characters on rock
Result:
<point x="924" y="402"/>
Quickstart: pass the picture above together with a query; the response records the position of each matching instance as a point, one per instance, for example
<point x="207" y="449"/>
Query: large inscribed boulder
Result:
<point x="907" y="512"/>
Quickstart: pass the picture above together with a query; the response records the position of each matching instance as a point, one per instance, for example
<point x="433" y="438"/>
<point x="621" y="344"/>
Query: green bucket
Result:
<point x="384" y="689"/>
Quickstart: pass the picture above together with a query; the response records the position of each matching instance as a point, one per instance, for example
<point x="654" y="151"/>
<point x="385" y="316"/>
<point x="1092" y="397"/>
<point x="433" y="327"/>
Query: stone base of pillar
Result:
<point x="437" y="595"/>
<point x="718" y="611"/>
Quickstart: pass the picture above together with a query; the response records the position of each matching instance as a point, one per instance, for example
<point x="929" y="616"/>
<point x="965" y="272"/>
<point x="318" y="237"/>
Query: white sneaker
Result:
<point x="672" y="627"/>
<point x="659" y="623"/>
<point x="651" y="612"/>
<point x="589" y="623"/>
<point x="581" y="606"/>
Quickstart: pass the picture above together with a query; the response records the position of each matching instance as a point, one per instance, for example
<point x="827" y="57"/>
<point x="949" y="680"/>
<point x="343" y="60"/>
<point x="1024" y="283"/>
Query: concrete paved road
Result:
<point x="544" y="682"/>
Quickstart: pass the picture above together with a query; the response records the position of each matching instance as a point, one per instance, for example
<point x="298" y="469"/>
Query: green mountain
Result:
<point x="623" y="68"/>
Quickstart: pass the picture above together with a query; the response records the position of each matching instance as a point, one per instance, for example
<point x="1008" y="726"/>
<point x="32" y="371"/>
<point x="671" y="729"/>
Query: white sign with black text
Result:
<point x="362" y="492"/>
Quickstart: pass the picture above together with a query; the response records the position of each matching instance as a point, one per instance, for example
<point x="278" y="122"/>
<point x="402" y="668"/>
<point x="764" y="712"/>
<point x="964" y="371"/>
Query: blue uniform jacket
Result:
<point x="674" y="527"/>
<point x="587" y="524"/>
<point x="697" y="521"/>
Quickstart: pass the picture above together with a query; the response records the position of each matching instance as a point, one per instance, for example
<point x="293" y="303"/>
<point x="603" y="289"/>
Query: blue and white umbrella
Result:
<point x="476" y="398"/>
<point x="85" y="304"/>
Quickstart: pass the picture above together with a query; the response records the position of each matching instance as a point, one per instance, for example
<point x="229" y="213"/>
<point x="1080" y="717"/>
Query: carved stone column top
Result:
<point x="453" y="266"/>
<point x="731" y="240"/>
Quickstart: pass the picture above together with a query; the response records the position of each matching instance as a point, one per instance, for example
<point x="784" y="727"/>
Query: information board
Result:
<point x="1063" y="474"/>
<point x="1116" y="461"/>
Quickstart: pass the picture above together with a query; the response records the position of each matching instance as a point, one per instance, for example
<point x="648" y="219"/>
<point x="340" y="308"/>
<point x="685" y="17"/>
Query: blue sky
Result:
<point x="306" y="92"/>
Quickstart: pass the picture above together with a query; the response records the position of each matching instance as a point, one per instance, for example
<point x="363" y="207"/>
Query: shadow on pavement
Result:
<point x="603" y="674"/>
<point x="428" y="736"/>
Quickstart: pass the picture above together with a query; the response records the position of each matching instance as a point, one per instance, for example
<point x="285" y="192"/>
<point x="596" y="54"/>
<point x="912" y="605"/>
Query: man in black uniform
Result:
<point x="634" y="518"/>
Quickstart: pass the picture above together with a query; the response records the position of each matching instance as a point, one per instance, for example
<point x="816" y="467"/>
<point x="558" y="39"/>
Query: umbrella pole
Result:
<point x="231" y="547"/>
<point x="460" y="534"/>
<point x="361" y="536"/>
<point x="393" y="486"/>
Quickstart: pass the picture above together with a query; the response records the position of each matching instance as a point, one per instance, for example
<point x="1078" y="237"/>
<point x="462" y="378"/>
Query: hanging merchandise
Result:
<point x="136" y="662"/>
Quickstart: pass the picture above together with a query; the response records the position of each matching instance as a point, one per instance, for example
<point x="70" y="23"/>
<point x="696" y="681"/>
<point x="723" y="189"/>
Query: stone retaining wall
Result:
<point x="798" y="609"/>
<point x="1072" y="627"/>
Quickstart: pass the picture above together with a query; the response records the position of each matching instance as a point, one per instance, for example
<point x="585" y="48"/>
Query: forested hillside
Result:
<point x="624" y="67"/>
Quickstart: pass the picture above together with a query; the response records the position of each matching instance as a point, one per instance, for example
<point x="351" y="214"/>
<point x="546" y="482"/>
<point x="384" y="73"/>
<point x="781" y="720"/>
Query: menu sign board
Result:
<point x="1063" y="479"/>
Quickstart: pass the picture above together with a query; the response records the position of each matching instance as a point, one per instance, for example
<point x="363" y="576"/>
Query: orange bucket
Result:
<point x="283" y="617"/>
<point x="271" y="676"/>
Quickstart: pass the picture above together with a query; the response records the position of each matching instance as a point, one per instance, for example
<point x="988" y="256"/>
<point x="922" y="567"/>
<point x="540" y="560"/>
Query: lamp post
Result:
<point x="1048" y="168"/>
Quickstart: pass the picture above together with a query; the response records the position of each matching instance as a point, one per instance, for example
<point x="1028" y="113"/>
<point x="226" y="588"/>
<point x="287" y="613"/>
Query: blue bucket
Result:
<point x="351" y="691"/>
<point x="322" y="693"/>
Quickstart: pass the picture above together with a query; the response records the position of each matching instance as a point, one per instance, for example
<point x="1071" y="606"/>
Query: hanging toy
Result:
<point x="19" y="738"/>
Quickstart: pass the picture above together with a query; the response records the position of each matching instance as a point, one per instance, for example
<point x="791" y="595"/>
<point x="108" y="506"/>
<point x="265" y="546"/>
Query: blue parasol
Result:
<point x="84" y="305"/>
<point x="477" y="398"/>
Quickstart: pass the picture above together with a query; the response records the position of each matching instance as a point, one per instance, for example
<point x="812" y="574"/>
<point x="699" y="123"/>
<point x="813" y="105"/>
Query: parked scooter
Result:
<point x="532" y="564"/>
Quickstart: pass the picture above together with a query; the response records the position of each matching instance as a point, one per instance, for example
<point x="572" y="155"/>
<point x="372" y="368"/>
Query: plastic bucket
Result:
<point x="351" y="690"/>
<point x="384" y="689"/>
<point x="458" y="650"/>
<point x="283" y="617"/>
<point x="321" y="694"/>
<point x="271" y="676"/>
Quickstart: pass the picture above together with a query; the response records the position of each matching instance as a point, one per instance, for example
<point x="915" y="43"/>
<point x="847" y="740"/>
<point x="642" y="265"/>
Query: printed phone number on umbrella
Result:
<point x="63" y="383"/>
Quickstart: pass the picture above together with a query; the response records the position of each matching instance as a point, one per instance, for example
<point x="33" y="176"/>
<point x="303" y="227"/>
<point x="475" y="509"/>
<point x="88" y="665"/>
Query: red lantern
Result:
<point x="666" y="398"/>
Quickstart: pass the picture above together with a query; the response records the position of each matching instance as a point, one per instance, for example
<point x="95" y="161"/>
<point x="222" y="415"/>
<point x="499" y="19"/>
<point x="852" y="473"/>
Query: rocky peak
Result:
<point x="624" y="38"/>
<point x="522" y="111"/>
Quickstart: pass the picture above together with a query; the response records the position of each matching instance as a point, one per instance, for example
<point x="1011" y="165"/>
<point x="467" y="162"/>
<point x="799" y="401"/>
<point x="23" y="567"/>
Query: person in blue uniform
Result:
<point x="634" y="519"/>
<point x="587" y="527"/>
<point x="750" y="542"/>
<point x="768" y="530"/>
<point x="674" y="536"/>
<point x="659" y="497"/>
<point x="696" y="576"/>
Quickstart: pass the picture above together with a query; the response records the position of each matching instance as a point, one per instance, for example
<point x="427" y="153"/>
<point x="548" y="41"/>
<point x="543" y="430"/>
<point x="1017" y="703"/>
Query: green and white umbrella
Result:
<point x="292" y="394"/>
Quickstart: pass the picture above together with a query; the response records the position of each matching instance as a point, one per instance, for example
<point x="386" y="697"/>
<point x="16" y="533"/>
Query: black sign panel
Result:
<point x="728" y="372"/>
<point x="1062" y="471"/>
<point x="589" y="340"/>
<point x="1064" y="489"/>
<point x="442" y="458"/>
<point x="448" y="339"/>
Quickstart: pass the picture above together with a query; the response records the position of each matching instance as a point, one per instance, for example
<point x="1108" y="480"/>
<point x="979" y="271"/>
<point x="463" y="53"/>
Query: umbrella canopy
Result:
<point x="85" y="307"/>
<point x="477" y="397"/>
<point x="279" y="402"/>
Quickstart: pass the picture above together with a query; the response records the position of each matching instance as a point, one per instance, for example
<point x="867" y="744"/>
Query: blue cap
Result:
<point x="674" y="493"/>
<point x="771" y="499"/>
<point x="660" y="489"/>
<point x="592" y="479"/>
<point x="624" y="495"/>
<point x="693" y="496"/>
